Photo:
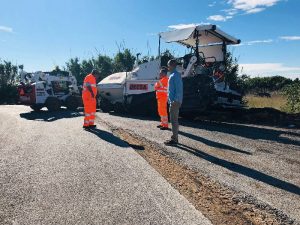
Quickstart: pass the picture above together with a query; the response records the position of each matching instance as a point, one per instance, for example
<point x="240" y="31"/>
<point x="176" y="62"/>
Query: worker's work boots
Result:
<point x="171" y="143"/>
<point x="89" y="127"/>
<point x="164" y="128"/>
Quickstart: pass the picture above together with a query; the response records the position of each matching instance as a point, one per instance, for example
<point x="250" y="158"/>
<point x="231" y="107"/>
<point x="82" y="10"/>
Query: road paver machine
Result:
<point x="203" y="73"/>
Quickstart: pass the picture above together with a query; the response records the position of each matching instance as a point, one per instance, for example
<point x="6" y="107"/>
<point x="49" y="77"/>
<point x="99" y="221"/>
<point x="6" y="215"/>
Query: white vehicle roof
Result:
<point x="116" y="78"/>
<point x="208" y="35"/>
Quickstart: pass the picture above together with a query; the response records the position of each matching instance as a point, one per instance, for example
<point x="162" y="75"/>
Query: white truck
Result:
<point x="202" y="71"/>
<point x="49" y="89"/>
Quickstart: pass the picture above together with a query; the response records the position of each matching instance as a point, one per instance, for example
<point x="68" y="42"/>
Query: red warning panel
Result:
<point x="143" y="87"/>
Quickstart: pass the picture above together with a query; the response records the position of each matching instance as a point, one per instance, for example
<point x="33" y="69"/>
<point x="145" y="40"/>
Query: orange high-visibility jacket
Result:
<point x="89" y="80"/>
<point x="161" y="88"/>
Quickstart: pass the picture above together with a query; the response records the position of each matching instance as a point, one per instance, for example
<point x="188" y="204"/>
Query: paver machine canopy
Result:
<point x="203" y="70"/>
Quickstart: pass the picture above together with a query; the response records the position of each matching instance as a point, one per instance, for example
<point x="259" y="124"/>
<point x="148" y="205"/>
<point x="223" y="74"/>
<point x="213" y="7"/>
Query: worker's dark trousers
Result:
<point x="174" y="114"/>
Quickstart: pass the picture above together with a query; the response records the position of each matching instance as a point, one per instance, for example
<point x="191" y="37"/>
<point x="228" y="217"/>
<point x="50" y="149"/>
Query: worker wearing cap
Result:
<point x="89" y="93"/>
<point x="161" y="88"/>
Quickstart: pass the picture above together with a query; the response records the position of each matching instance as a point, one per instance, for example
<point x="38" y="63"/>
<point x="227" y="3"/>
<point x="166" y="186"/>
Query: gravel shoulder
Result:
<point x="260" y="164"/>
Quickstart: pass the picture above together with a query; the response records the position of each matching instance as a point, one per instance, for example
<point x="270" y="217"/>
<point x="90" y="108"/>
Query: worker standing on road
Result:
<point x="175" y="96"/>
<point x="89" y="93"/>
<point x="161" y="88"/>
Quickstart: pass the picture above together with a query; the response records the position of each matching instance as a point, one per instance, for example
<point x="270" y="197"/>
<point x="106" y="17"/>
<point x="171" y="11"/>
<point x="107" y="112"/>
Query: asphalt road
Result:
<point x="257" y="161"/>
<point x="53" y="172"/>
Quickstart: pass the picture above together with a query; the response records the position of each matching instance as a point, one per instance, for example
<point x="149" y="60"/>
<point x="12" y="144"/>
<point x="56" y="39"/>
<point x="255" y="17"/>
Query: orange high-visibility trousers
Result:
<point x="89" y="102"/>
<point x="162" y="106"/>
<point x="89" y="111"/>
<point x="161" y="88"/>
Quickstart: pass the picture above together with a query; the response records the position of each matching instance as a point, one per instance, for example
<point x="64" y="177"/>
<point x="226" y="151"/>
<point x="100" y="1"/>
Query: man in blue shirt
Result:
<point x="175" y="95"/>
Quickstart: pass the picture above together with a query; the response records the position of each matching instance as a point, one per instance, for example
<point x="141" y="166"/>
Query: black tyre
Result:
<point x="105" y="105"/>
<point x="119" y="108"/>
<point x="143" y="104"/>
<point x="53" y="104"/>
<point x="36" y="107"/>
<point x="72" y="103"/>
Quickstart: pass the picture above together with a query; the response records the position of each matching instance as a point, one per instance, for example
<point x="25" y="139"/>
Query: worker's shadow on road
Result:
<point x="137" y="117"/>
<point x="246" y="171"/>
<point x="213" y="143"/>
<point x="246" y="131"/>
<point x="47" y="116"/>
<point x="110" y="138"/>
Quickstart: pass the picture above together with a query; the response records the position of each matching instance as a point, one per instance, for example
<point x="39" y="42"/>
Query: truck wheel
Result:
<point x="71" y="103"/>
<point x="53" y="104"/>
<point x="105" y="105"/>
<point x="119" y="108"/>
<point x="36" y="108"/>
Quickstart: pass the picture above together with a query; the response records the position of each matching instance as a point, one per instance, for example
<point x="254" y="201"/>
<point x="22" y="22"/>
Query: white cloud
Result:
<point x="255" y="10"/>
<point x="219" y="18"/>
<point x="269" y="69"/>
<point x="290" y="38"/>
<point x="259" y="41"/>
<point x="243" y="7"/>
<point x="182" y="26"/>
<point x="6" y="29"/>
<point x="267" y="41"/>
<point x="231" y="11"/>
<point x="252" y="6"/>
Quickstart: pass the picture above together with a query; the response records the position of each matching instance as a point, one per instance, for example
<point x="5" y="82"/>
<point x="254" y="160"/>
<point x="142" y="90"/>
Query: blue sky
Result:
<point x="43" y="33"/>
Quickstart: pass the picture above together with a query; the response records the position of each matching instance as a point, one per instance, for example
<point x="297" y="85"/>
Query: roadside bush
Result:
<point x="292" y="92"/>
<point x="9" y="94"/>
<point x="8" y="88"/>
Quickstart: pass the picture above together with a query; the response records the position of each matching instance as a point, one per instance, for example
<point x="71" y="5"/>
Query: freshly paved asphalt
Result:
<point x="259" y="161"/>
<point x="53" y="172"/>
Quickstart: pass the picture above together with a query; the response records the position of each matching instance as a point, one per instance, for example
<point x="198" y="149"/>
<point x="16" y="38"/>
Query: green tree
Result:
<point x="86" y="68"/>
<point x="266" y="84"/>
<point x="74" y="66"/>
<point x="231" y="71"/>
<point x="241" y="83"/>
<point x="276" y="83"/>
<point x="292" y="92"/>
<point x="165" y="57"/>
<point x="80" y="69"/>
<point x="145" y="59"/>
<point x="8" y="85"/>
<point x="57" y="69"/>
<point x="104" y="65"/>
<point x="123" y="61"/>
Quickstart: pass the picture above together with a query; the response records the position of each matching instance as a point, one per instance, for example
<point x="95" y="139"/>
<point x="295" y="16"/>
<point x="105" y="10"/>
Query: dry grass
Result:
<point x="276" y="101"/>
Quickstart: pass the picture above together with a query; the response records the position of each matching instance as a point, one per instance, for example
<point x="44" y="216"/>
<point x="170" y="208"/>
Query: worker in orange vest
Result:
<point x="89" y="93"/>
<point x="161" y="88"/>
